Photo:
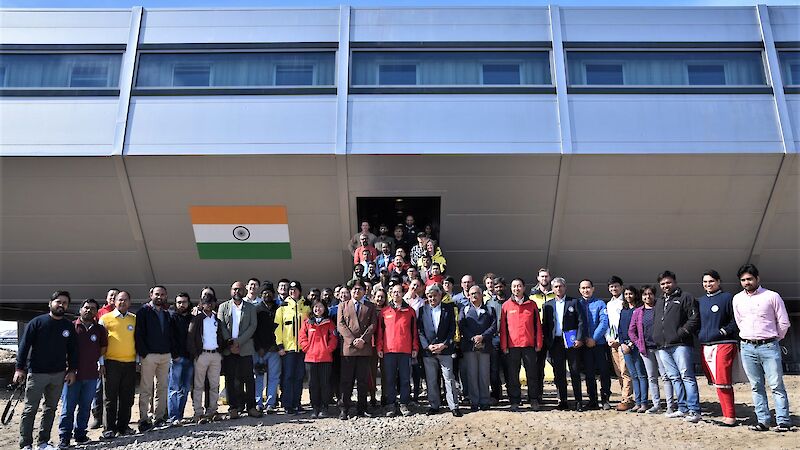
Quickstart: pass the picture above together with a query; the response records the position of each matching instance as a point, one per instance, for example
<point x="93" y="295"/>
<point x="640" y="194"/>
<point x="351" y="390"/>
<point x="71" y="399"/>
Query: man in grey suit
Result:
<point x="437" y="329"/>
<point x="239" y="318"/>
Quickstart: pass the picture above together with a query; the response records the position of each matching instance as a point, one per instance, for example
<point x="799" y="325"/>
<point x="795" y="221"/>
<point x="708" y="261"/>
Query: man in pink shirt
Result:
<point x="763" y="321"/>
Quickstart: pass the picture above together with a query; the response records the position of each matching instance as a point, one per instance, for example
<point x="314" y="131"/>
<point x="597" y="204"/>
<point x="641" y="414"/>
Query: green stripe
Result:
<point x="257" y="250"/>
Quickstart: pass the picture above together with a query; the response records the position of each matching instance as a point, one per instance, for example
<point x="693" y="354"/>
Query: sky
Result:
<point x="355" y="3"/>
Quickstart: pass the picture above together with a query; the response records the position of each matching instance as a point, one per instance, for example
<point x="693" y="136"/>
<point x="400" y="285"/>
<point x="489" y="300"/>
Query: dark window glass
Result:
<point x="706" y="74"/>
<point x="236" y="69"/>
<point x="391" y="74"/>
<point x="501" y="74"/>
<point x="604" y="74"/>
<point x="450" y="68"/>
<point x="294" y="75"/>
<point x="60" y="70"/>
<point x="790" y="67"/>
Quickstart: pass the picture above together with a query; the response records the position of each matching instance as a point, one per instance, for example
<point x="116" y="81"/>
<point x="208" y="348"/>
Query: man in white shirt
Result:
<point x="239" y="318"/>
<point x="437" y="330"/>
<point x="252" y="291"/>
<point x="614" y="308"/>
<point x="203" y="343"/>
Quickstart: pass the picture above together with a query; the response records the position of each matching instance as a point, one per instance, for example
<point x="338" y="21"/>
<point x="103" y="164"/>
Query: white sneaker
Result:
<point x="675" y="414"/>
<point x="45" y="446"/>
<point x="27" y="447"/>
<point x="692" y="417"/>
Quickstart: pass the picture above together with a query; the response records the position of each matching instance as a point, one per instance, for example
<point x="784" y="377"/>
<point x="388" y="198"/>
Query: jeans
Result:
<point x="762" y="364"/>
<point x="635" y="365"/>
<point x="273" y="374"/>
<point x="181" y="374"/>
<point x="677" y="361"/>
<point x="397" y="366"/>
<point x="292" y="379"/>
<point x="653" y="369"/>
<point x="78" y="395"/>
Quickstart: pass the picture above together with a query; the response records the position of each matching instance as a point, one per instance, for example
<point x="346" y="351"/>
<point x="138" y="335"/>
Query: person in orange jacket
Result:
<point x="318" y="341"/>
<point x="397" y="344"/>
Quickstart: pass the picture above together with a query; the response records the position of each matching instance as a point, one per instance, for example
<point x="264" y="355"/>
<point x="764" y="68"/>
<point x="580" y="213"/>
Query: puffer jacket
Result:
<point x="289" y="318"/>
<point x="318" y="340"/>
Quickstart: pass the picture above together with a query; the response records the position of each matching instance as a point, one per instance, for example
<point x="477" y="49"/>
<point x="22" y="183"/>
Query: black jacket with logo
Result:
<point x="676" y="318"/>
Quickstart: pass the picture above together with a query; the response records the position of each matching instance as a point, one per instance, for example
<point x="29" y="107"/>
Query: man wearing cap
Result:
<point x="356" y="321"/>
<point x="205" y="340"/>
<point x="239" y="319"/>
<point x="288" y="320"/>
<point x="266" y="360"/>
<point x="437" y="331"/>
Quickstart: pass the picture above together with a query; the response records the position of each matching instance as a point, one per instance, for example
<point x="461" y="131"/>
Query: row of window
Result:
<point x="393" y="69"/>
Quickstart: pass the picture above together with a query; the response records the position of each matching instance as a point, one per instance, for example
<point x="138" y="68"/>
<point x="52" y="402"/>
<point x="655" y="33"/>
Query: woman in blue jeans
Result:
<point x="633" y="359"/>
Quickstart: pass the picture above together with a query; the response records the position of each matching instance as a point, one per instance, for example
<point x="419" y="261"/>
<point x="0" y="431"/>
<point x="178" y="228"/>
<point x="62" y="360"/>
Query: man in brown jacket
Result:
<point x="205" y="342"/>
<point x="356" y="321"/>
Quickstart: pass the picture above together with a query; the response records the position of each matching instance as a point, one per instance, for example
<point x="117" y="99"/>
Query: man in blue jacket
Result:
<point x="595" y="350"/>
<point x="437" y="329"/>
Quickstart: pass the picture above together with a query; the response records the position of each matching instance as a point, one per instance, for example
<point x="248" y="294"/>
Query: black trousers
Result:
<point x="541" y="360"/>
<point x="559" y="357"/>
<point x="319" y="378"/>
<point x="497" y="365"/>
<point x="516" y="357"/>
<point x="240" y="384"/>
<point x="595" y="362"/>
<point x="336" y="371"/>
<point x="355" y="368"/>
<point x="120" y="387"/>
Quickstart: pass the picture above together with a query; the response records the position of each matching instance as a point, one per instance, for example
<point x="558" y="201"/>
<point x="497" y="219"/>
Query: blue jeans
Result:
<point x="273" y="374"/>
<point x="633" y="361"/>
<point x="79" y="395"/>
<point x="397" y="366"/>
<point x="292" y="374"/>
<point x="678" y="364"/>
<point x="181" y="374"/>
<point x="762" y="364"/>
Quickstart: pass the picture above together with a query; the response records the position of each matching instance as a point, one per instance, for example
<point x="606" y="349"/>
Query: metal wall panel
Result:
<point x="64" y="26"/>
<point x="785" y="21"/>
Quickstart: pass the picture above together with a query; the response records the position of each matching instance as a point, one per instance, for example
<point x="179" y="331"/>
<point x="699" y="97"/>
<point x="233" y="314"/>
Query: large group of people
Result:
<point x="409" y="325"/>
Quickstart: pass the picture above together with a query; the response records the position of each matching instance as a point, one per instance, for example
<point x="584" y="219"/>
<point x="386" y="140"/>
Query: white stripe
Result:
<point x="258" y="233"/>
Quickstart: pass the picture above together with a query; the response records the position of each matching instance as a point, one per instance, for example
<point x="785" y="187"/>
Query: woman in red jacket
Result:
<point x="318" y="341"/>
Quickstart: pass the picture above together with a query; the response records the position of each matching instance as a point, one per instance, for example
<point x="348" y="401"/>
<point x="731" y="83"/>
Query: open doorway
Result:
<point x="393" y="210"/>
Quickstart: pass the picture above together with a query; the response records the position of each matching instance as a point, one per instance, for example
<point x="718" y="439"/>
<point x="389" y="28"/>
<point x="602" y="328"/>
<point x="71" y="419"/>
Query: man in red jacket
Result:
<point x="520" y="338"/>
<point x="398" y="343"/>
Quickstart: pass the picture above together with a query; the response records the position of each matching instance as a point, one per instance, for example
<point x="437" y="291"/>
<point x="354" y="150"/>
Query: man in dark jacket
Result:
<point x="152" y="336"/>
<point x="266" y="359"/>
<point x="181" y="369"/>
<point x="563" y="336"/>
<point x="437" y="330"/>
<point x="676" y="318"/>
<point x="205" y="348"/>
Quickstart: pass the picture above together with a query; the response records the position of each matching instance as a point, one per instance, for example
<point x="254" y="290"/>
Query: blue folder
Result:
<point x="569" y="338"/>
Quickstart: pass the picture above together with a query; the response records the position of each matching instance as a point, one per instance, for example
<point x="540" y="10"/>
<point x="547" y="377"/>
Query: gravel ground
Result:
<point x="498" y="428"/>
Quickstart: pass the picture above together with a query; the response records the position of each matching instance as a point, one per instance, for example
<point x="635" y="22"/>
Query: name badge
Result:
<point x="93" y="338"/>
<point x="311" y="330"/>
<point x="65" y="333"/>
<point x="571" y="309"/>
<point x="390" y="316"/>
<point x="714" y="308"/>
<point x="130" y="327"/>
<point x="513" y="311"/>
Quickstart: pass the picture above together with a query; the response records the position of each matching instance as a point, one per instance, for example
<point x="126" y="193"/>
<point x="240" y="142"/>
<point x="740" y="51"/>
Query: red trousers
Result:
<point x="718" y="364"/>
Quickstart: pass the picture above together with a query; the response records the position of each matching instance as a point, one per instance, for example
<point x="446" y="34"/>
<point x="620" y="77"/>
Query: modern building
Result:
<point x="590" y="140"/>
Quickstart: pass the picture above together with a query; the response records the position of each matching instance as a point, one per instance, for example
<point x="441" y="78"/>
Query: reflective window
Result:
<point x="245" y="69"/>
<point x="60" y="70"/>
<point x="667" y="68"/>
<point x="790" y="68"/>
<point x="450" y="68"/>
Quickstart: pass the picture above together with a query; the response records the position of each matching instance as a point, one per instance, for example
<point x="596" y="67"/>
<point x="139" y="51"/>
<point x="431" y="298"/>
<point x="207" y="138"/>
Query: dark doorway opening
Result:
<point x="393" y="210"/>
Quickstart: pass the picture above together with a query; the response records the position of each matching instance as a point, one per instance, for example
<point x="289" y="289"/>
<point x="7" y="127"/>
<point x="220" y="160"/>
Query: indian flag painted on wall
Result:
<point x="241" y="232"/>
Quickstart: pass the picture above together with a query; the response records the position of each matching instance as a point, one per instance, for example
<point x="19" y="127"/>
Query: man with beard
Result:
<point x="120" y="367"/>
<point x="152" y="337"/>
<point x="541" y="293"/>
<point x="239" y="319"/>
<point x="53" y="347"/>
<point x="266" y="360"/>
<point x="93" y="340"/>
<point x="181" y="370"/>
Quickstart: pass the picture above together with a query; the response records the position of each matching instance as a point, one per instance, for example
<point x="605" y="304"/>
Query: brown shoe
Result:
<point x="252" y="412"/>
<point x="624" y="406"/>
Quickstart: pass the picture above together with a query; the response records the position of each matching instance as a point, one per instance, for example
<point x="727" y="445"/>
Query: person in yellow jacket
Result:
<point x="289" y="318"/>
<point x="436" y="255"/>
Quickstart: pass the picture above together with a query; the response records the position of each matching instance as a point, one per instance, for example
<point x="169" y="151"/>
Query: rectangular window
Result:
<point x="501" y="74"/>
<point x="604" y="74"/>
<point x="302" y="75"/>
<point x="60" y="70"/>
<point x="665" y="68"/>
<point x="790" y="67"/>
<point x="450" y="68"/>
<point x="191" y="75"/>
<point x="2" y="76"/>
<point x="397" y="74"/>
<point x="263" y="69"/>
<point x="706" y="74"/>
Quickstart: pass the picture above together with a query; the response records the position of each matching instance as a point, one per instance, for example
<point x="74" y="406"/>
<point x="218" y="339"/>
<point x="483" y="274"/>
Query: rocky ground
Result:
<point x="498" y="428"/>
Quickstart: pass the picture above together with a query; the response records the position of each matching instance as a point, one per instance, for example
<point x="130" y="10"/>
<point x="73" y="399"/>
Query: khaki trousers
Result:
<point x="622" y="375"/>
<point x="154" y="365"/>
<point x="207" y="365"/>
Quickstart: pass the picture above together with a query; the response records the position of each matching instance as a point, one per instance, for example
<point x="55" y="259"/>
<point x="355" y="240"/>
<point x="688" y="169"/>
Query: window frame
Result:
<point x="61" y="49"/>
<point x="194" y="65"/>
<point x="314" y="75"/>
<point x="288" y="47"/>
<point x="398" y="63"/>
<point x="788" y="47"/>
<point x="584" y="67"/>
<point x="484" y="63"/>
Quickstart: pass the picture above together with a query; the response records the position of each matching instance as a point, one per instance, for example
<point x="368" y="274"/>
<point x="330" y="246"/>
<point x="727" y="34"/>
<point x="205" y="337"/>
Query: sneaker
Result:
<point x="160" y="424"/>
<point x="606" y="405"/>
<point x="322" y="414"/>
<point x="82" y="440"/>
<point x="27" y="447"/>
<point x="675" y="414"/>
<point x="96" y="424"/>
<point x="394" y="412"/>
<point x="514" y="407"/>
<point x="176" y="423"/>
<point x="405" y="411"/>
<point x="63" y="445"/>
<point x="758" y="427"/>
<point x="782" y="428"/>
<point x="201" y="420"/>
<point x="314" y="414"/>
<point x="46" y="446"/>
<point x="145" y="426"/>
<point x="270" y="410"/>
<point x="252" y="412"/>
<point x="535" y="405"/>
<point x="654" y="410"/>
<point x="643" y="409"/>
<point x="127" y="431"/>
<point x="692" y="417"/>
<point x="233" y="414"/>
<point x="343" y="414"/>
